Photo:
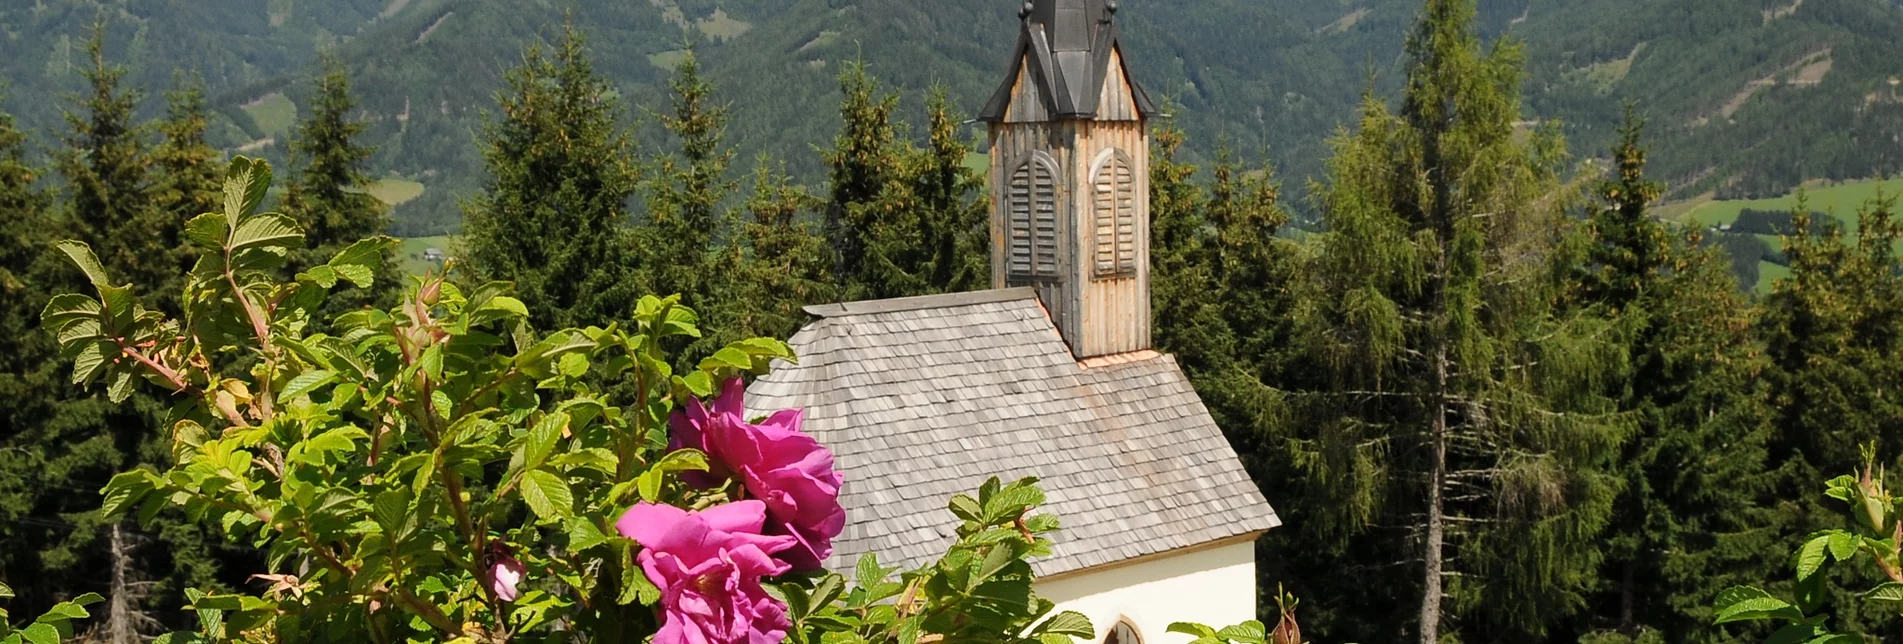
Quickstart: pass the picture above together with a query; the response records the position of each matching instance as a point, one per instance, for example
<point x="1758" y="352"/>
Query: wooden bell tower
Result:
<point x="1070" y="169"/>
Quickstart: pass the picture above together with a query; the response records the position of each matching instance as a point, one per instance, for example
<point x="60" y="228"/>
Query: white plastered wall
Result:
<point x="1214" y="586"/>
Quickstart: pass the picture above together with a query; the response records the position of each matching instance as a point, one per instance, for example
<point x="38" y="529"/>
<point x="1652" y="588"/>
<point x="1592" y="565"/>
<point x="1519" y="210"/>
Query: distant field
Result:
<point x="668" y="60"/>
<point x="1840" y="201"/>
<point x="275" y="114"/>
<point x="409" y="256"/>
<point x="723" y="27"/>
<point x="395" y="191"/>
<point x="1768" y="274"/>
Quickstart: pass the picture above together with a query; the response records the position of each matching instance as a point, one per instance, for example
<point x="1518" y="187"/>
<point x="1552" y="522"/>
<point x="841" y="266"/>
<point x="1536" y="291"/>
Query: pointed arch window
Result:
<point x="1032" y="201"/>
<point x="1123" y="633"/>
<point x="1114" y="215"/>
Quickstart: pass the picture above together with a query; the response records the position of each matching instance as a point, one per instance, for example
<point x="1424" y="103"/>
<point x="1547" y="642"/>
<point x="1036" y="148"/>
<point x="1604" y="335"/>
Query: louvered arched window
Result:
<point x="1114" y="215"/>
<point x="1032" y="202"/>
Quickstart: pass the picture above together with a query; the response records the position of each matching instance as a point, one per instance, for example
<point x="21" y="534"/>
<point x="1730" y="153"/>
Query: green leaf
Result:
<point x="648" y="484"/>
<point x="343" y="439"/>
<point x="540" y="439"/>
<point x="868" y="573"/>
<point x="1759" y="608"/>
<point x="359" y="261"/>
<point x="1843" y="545"/>
<point x="5" y="592"/>
<point x="1838" y="638"/>
<point x="64" y="611"/>
<point x="1888" y="595"/>
<point x="547" y="495"/>
<point x="1811" y="557"/>
<point x="1071" y="623"/>
<point x="41" y="634"/>
<point x="1248" y="632"/>
<point x="208" y="231"/>
<point x="392" y="509"/>
<point x="266" y="231"/>
<point x="727" y="357"/>
<point x="682" y="460"/>
<point x="1191" y="629"/>
<point x="306" y="382"/>
<point x="247" y="181"/>
<point x="322" y="276"/>
<point x="700" y="383"/>
<point x="498" y="308"/>
<point x="1001" y="555"/>
<point x="69" y="308"/>
<point x="573" y="365"/>
<point x="583" y="534"/>
<point x="125" y="490"/>
<point x="82" y="256"/>
<point x="1737" y="594"/>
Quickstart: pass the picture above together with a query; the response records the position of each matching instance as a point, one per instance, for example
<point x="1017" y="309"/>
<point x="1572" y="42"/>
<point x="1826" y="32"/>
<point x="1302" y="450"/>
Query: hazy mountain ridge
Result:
<point x="1745" y="95"/>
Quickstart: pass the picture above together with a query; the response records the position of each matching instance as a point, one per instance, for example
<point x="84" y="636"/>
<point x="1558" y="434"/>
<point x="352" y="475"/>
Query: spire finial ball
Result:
<point x="1111" y="6"/>
<point x="1025" y="10"/>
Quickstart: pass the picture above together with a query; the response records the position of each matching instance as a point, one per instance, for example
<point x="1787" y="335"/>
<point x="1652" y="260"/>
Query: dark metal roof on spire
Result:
<point x="1066" y="46"/>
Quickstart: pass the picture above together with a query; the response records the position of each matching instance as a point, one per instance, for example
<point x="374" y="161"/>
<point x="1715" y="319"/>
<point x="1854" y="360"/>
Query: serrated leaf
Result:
<point x="1843" y="545"/>
<point x="277" y="231"/>
<point x="307" y="382"/>
<point x="1889" y="594"/>
<point x="1069" y="623"/>
<point x="583" y="534"/>
<point x="1248" y="632"/>
<point x="541" y="438"/>
<point x="573" y="365"/>
<point x="1758" y="608"/>
<point x="1191" y="629"/>
<point x="5" y="592"/>
<point x="64" y="611"/>
<point x="1811" y="557"/>
<point x="964" y="507"/>
<point x="81" y="255"/>
<point x="868" y="573"/>
<point x="648" y="485"/>
<point x="124" y="490"/>
<point x="682" y="460"/>
<point x="247" y="181"/>
<point x="320" y="275"/>
<point x="208" y="231"/>
<point x="40" y="634"/>
<point x="498" y="308"/>
<point x="547" y="495"/>
<point x="392" y="510"/>
<point x="68" y="308"/>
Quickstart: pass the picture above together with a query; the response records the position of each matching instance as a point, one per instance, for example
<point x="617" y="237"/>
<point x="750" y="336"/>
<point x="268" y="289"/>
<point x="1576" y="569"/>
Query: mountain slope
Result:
<point x="1746" y="96"/>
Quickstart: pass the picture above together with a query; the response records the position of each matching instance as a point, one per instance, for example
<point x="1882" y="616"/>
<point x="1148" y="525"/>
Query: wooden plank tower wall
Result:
<point x="1069" y="177"/>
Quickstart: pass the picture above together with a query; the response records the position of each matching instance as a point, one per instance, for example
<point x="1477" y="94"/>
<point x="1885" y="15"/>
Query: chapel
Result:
<point x="1050" y="374"/>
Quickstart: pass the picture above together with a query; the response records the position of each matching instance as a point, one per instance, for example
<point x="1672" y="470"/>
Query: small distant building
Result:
<point x="1052" y="374"/>
<point x="433" y="255"/>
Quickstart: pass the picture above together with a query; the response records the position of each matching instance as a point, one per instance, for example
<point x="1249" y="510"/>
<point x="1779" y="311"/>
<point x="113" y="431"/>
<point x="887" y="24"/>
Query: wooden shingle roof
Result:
<point x="924" y="398"/>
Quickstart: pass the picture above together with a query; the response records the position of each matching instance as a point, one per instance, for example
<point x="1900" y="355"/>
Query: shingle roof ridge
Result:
<point x="921" y="302"/>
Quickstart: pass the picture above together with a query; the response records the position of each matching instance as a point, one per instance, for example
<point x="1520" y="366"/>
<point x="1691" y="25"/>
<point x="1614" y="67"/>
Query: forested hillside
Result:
<point x="1748" y="97"/>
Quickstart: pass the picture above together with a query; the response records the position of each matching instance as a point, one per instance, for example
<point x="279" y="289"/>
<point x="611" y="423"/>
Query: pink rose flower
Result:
<point x="776" y="462"/>
<point x="505" y="574"/>
<point x="708" y="565"/>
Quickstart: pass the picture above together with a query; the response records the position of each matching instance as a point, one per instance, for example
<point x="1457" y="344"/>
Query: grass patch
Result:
<point x="410" y="258"/>
<point x="275" y="114"/>
<point x="1608" y="74"/>
<point x="978" y="162"/>
<point x="1769" y="274"/>
<point x="668" y="60"/>
<point x="721" y="26"/>
<point x="1840" y="201"/>
<point x="395" y="192"/>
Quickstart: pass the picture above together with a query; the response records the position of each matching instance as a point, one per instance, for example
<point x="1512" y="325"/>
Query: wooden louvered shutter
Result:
<point x="1032" y="199"/>
<point x="1115" y="215"/>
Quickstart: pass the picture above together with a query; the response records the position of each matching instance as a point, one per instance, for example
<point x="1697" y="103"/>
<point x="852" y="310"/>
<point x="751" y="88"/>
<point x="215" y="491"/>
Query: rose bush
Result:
<point x="440" y="471"/>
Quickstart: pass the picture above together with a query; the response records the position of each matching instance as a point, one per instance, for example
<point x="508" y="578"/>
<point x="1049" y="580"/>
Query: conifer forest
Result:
<point x="1446" y="273"/>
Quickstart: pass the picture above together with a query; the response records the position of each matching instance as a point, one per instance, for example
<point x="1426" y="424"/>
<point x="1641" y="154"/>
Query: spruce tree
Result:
<point x="785" y="265"/>
<point x="328" y="194"/>
<point x="553" y="212"/>
<point x="1186" y="315"/>
<point x="1454" y="451"/>
<point x="1690" y="515"/>
<point x="108" y="170"/>
<point x="686" y="192"/>
<point x="951" y="195"/>
<point x="187" y="181"/>
<point x="872" y="221"/>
